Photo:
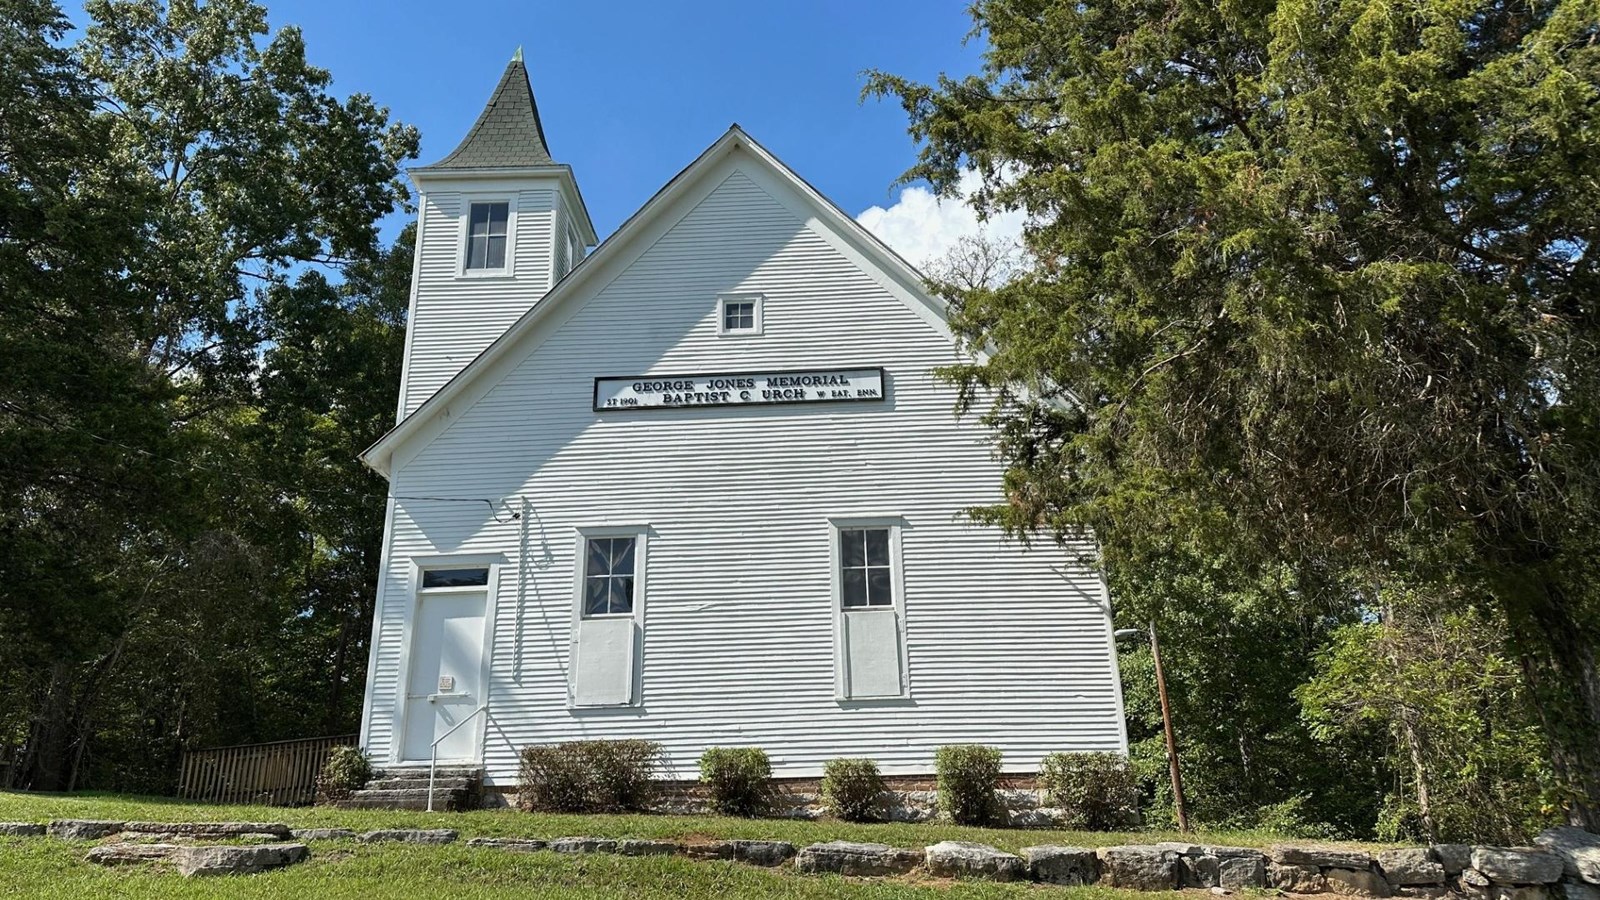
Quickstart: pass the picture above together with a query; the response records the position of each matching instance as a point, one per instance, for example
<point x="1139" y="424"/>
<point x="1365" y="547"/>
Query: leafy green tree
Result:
<point x="1315" y="283"/>
<point x="169" y="572"/>
<point x="74" y="503"/>
<point x="1237" y="642"/>
<point x="259" y="168"/>
<point x="327" y="391"/>
<point x="1429" y="681"/>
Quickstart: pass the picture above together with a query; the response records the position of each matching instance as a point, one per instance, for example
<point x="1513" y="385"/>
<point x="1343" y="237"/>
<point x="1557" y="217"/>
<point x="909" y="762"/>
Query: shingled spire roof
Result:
<point x="508" y="133"/>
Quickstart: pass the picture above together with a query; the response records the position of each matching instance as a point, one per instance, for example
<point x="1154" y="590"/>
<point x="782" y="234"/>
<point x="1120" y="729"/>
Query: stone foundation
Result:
<point x="910" y="798"/>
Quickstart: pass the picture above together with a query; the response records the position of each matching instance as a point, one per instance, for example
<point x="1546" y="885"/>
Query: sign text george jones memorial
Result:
<point x="744" y="389"/>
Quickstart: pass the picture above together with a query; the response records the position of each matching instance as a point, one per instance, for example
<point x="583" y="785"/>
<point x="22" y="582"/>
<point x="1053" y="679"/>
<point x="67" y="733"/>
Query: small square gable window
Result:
<point x="739" y="314"/>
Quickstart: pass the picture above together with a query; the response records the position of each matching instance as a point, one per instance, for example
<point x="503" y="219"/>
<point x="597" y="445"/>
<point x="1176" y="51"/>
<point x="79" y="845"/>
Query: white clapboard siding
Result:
<point x="1003" y="645"/>
<point x="453" y="318"/>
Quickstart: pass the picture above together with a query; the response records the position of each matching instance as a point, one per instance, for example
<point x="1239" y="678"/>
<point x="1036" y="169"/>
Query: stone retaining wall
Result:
<point x="1565" y="864"/>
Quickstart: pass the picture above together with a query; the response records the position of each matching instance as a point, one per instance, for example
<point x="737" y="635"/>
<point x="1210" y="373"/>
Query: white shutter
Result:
<point x="602" y="668"/>
<point x="872" y="653"/>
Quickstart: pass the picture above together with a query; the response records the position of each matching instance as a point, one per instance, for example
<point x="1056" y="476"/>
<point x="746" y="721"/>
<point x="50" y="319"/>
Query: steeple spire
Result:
<point x="508" y="133"/>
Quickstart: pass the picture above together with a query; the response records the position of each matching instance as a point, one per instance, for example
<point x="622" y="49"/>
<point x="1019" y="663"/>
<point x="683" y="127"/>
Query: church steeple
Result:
<point x="508" y="133"/>
<point x="498" y="222"/>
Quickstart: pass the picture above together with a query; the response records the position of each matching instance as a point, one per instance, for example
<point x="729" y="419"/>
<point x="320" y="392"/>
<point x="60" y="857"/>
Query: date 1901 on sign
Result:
<point x="742" y="389"/>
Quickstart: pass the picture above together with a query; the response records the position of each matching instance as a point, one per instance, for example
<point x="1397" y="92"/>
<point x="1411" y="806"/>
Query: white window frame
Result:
<point x="758" y="301"/>
<point x="895" y="525"/>
<point x="641" y="535"/>
<point x="464" y="235"/>
<point x="585" y="534"/>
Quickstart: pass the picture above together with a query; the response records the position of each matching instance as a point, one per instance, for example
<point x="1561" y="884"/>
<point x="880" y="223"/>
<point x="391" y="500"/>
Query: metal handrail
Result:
<point x="433" y="761"/>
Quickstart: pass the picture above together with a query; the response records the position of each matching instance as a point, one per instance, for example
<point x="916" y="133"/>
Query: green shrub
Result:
<point x="739" y="780"/>
<point x="553" y="778"/>
<point x="853" y="789"/>
<point x="347" y="770"/>
<point x="588" y="776"/>
<point x="1096" y="791"/>
<point x="621" y="774"/>
<point x="968" y="776"/>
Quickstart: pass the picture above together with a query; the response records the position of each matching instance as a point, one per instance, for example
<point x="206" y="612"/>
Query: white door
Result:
<point x="443" y="687"/>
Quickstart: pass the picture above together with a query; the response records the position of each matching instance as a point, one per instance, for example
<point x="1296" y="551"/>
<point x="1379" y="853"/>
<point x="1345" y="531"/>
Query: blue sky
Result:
<point x="630" y="92"/>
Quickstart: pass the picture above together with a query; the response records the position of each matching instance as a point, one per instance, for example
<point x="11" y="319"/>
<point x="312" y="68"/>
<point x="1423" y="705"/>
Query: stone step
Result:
<point x="440" y="783"/>
<point x="422" y="772"/>
<point x="447" y="800"/>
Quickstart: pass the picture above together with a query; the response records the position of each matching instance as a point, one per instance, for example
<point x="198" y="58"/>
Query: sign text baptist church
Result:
<point x="742" y="389"/>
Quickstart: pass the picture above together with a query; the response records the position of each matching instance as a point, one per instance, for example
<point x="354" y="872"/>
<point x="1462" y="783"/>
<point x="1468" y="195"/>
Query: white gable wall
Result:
<point x="1004" y="646"/>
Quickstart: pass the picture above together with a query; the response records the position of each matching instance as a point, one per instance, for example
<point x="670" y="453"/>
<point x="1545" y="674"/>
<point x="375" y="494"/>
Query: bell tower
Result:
<point x="499" y="223"/>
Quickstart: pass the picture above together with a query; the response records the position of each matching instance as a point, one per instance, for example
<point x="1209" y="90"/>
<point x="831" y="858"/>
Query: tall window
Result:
<point x="608" y="576"/>
<point x="869" y="631"/>
<point x="608" y="616"/>
<point x="866" y="575"/>
<point x="486" y="235"/>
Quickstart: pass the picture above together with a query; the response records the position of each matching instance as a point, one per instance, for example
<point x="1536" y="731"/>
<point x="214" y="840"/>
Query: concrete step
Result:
<point x="422" y="772"/>
<point x="446" y="800"/>
<point x="388" y="780"/>
<point x="440" y="783"/>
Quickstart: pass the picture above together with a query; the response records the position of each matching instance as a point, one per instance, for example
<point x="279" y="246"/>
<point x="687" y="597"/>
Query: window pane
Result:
<point x="622" y="556"/>
<point x="879" y="587"/>
<point x="738" y="316"/>
<point x="877" y="546"/>
<point x="852" y="548"/>
<point x="853" y="587"/>
<point x="622" y="594"/>
<point x="437" y="578"/>
<point x="599" y="557"/>
<point x="486" y="235"/>
<point x="595" y="594"/>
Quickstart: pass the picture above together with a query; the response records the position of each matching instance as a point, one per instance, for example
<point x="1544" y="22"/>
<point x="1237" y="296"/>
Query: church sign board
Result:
<point x="739" y="389"/>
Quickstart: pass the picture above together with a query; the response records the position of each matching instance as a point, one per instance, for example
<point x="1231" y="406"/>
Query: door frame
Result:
<point x="494" y="562"/>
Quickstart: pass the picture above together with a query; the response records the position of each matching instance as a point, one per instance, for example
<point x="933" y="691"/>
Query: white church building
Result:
<point x="699" y="486"/>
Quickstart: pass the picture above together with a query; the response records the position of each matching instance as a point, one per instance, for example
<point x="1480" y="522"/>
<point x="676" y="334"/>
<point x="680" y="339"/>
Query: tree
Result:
<point x="73" y="503"/>
<point x="1314" y="285"/>
<point x="1428" y="679"/>
<point x="258" y="167"/>
<point x="1237" y="642"/>
<point x="973" y="263"/>
<point x="327" y="391"/>
<point x="158" y="179"/>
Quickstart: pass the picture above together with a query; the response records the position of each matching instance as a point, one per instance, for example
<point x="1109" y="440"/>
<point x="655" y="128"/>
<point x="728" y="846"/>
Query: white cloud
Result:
<point x="922" y="227"/>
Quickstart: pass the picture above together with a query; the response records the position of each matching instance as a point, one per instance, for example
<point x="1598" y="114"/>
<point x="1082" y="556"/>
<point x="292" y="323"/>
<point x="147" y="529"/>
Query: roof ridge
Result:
<point x="508" y="133"/>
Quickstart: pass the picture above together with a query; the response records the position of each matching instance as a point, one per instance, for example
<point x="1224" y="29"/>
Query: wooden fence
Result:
<point x="282" y="773"/>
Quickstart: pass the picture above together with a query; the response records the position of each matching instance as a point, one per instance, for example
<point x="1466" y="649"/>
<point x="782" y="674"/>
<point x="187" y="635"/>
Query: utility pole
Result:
<point x="1172" y="741"/>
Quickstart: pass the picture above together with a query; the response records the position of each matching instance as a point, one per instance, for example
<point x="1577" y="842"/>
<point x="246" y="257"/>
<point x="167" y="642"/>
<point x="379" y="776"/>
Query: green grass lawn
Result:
<point x="45" y="867"/>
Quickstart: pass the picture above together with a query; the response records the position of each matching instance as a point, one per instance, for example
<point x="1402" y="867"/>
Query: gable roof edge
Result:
<point x="380" y="455"/>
